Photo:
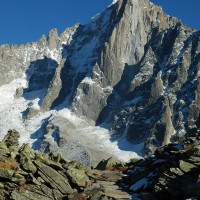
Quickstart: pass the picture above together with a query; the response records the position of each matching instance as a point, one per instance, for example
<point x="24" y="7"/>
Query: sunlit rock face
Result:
<point x="132" y="68"/>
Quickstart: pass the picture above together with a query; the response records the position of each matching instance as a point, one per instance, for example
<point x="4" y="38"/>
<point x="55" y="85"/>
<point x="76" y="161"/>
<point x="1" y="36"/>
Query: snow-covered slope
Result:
<point x="132" y="71"/>
<point x="82" y="139"/>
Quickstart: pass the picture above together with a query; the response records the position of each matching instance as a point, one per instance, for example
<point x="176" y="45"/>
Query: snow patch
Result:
<point x="125" y="145"/>
<point x="88" y="80"/>
<point x="67" y="114"/>
<point x="99" y="139"/>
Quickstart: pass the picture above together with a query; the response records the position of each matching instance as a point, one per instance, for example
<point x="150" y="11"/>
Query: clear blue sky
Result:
<point x="24" y="21"/>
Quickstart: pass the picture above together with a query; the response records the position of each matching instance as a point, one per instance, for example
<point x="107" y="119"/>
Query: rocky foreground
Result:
<point x="172" y="172"/>
<point x="132" y="69"/>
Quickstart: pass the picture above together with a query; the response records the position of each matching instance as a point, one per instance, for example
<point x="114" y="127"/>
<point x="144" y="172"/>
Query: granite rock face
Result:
<point x="132" y="67"/>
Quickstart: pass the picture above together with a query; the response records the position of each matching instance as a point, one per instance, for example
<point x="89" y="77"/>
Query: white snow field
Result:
<point x="96" y="139"/>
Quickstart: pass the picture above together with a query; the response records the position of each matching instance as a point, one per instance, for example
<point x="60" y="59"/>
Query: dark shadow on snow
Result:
<point x="39" y="75"/>
<point x="39" y="134"/>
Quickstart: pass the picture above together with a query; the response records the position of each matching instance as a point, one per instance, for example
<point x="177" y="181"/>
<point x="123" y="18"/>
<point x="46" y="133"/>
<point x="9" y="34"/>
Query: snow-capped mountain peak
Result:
<point x="131" y="75"/>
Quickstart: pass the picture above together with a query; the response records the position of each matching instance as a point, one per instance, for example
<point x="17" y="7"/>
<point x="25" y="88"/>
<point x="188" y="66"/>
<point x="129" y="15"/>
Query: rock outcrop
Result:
<point x="25" y="174"/>
<point x="172" y="172"/>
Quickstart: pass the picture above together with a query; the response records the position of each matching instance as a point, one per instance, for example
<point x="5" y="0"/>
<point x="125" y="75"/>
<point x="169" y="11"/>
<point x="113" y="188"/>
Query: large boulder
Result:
<point x="12" y="138"/>
<point x="186" y="166"/>
<point x="54" y="178"/>
<point x="27" y="164"/>
<point x="3" y="149"/>
<point x="6" y="173"/>
<point x="78" y="177"/>
<point x="111" y="164"/>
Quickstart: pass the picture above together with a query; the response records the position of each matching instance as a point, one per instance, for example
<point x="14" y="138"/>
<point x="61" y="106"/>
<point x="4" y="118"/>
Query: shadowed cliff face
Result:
<point x="133" y="68"/>
<point x="138" y="85"/>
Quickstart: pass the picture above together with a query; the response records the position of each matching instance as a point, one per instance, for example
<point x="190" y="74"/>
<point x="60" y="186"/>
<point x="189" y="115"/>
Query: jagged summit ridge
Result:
<point x="133" y="69"/>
